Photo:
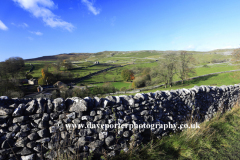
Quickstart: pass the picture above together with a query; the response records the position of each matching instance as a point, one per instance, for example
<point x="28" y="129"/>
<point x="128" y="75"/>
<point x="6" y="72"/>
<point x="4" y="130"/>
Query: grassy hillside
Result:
<point x="71" y="56"/>
<point x="130" y="56"/>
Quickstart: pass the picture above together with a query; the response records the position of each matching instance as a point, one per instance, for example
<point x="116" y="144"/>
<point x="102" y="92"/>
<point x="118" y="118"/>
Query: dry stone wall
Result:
<point x="36" y="128"/>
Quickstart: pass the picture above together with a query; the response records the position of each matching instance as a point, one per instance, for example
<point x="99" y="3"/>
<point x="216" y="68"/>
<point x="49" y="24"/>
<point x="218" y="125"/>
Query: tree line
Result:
<point x="11" y="70"/>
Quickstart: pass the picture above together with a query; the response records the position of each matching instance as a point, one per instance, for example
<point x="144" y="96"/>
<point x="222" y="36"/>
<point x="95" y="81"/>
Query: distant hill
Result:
<point x="223" y="51"/>
<point x="122" y="54"/>
<point x="71" y="56"/>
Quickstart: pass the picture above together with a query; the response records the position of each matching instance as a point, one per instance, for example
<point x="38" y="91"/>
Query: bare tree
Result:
<point x="185" y="68"/>
<point x="47" y="66"/>
<point x="57" y="65"/>
<point x="167" y="68"/>
<point x="68" y="64"/>
<point x="163" y="74"/>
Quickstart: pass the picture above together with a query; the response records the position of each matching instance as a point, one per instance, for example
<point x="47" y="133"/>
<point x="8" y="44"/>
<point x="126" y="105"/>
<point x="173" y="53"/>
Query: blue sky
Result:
<point x="34" y="28"/>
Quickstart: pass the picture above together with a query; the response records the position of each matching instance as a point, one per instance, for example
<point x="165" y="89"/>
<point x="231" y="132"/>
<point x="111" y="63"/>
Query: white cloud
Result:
<point x="41" y="9"/>
<point x="23" y="25"/>
<point x="90" y="7"/>
<point x="3" y="26"/>
<point x="37" y="33"/>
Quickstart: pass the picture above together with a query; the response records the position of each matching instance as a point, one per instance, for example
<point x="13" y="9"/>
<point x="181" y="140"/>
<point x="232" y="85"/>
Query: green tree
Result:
<point x="14" y="67"/>
<point x="3" y="71"/>
<point x="127" y="75"/>
<point x="10" y="71"/>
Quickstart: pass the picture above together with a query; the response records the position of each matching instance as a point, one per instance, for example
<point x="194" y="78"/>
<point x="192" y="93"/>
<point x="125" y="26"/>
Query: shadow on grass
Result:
<point x="38" y="67"/>
<point x="27" y="68"/>
<point x="82" y="69"/>
<point x="195" y="81"/>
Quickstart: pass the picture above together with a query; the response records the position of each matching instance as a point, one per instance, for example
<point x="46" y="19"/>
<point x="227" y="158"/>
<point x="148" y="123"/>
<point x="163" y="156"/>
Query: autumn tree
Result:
<point x="132" y="76"/>
<point x="46" y="78"/>
<point x="42" y="80"/>
<point x="127" y="75"/>
<point x="185" y="68"/>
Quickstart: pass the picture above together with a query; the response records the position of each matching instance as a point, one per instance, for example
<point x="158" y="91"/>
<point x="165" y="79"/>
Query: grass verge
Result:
<point x="215" y="139"/>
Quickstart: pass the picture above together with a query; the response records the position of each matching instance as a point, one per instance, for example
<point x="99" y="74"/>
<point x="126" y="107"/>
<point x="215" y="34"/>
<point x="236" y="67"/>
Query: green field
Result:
<point x="85" y="71"/>
<point x="36" y="73"/>
<point x="209" y="58"/>
<point x="118" y="85"/>
<point x="79" y="68"/>
<point x="212" y="80"/>
<point x="37" y="69"/>
<point x="215" y="68"/>
<point x="115" y="74"/>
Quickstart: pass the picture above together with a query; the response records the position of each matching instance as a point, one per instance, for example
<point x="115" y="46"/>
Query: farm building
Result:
<point x="33" y="81"/>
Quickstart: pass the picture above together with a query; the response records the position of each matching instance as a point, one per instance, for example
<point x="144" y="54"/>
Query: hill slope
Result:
<point x="117" y="55"/>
